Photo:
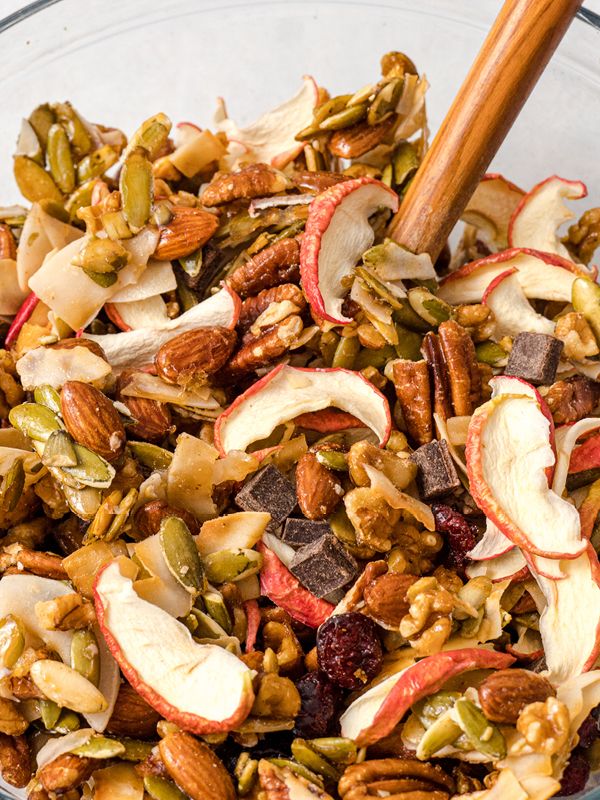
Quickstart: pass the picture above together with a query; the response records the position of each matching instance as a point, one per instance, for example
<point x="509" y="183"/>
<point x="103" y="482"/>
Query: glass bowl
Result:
<point x="120" y="61"/>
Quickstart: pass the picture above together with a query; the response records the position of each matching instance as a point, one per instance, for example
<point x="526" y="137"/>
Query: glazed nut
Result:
<point x="257" y="180"/>
<point x="276" y="698"/>
<point x="132" y="716"/>
<point x="505" y="693"/>
<point x="92" y="420"/>
<point x="461" y="362"/>
<point x="357" y="140"/>
<point x="254" y="307"/>
<point x="545" y="726"/>
<point x="194" y="355"/>
<point x="274" y="265"/>
<point x="318" y="489"/>
<point x="195" y="768"/>
<point x="187" y="231"/>
<point x="262" y="351"/>
<point x="398" y="468"/>
<point x="577" y="336"/>
<point x="572" y="399"/>
<point x="152" y="418"/>
<point x="317" y="181"/>
<point x="411" y="381"/>
<point x="64" y="613"/>
<point x="89" y="344"/>
<point x="66" y="772"/>
<point x="12" y="722"/>
<point x="46" y="565"/>
<point x="373" y="519"/>
<point x="8" y="246"/>
<point x="400" y="778"/>
<point x="149" y="517"/>
<point x="15" y="760"/>
<point x="280" y="638"/>
<point x="386" y="601"/>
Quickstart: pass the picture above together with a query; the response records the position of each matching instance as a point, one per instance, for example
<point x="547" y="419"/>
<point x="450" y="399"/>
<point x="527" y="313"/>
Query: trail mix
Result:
<point x="288" y="511"/>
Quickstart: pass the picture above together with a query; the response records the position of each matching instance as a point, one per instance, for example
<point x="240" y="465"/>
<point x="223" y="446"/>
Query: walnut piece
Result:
<point x="64" y="613"/>
<point x="578" y="338"/>
<point x="572" y="399"/>
<point x="373" y="518"/>
<point x="428" y="623"/>
<point x="395" y="466"/>
<point x="545" y="726"/>
<point x="584" y="236"/>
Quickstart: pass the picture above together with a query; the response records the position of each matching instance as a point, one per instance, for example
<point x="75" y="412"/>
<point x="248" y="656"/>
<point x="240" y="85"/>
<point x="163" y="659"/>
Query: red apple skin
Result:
<point x="588" y="512"/>
<point x="237" y="305"/>
<point x="424" y="678"/>
<point x="595" y="568"/>
<point x="253" y="623"/>
<point x="586" y="455"/>
<point x="533" y="656"/>
<point x="320" y="213"/>
<point x="185" y="720"/>
<point x="21" y="318"/>
<point x="497" y="280"/>
<point x="263" y="382"/>
<point x="328" y="420"/>
<point x="280" y="586"/>
<point x="114" y="316"/>
<point x="496" y="176"/>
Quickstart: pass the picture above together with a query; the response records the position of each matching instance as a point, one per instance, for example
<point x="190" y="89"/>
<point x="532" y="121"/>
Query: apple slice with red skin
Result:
<point x="279" y="585"/>
<point x="543" y="276"/>
<point x="566" y="439"/>
<point x="508" y="452"/>
<point x="490" y="210"/>
<point x="200" y="687"/>
<point x="21" y="318"/>
<point x="337" y="233"/>
<point x="512" y="312"/>
<point x="589" y="510"/>
<point x="287" y="392"/>
<point x="492" y="544"/>
<point x="374" y="714"/>
<point x="252" y="612"/>
<point x="586" y="455"/>
<point x="511" y="565"/>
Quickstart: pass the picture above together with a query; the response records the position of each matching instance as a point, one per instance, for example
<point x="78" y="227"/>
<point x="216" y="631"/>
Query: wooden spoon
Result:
<point x="512" y="58"/>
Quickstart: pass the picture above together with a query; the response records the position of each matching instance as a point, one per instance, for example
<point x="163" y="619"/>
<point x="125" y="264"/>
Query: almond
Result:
<point x="505" y="693"/>
<point x="359" y="139"/>
<point x="92" y="420"/>
<point x="188" y="229"/>
<point x="385" y="598"/>
<point x="194" y="355"/>
<point x="132" y="716"/>
<point x="66" y="772"/>
<point x="317" y="488"/>
<point x="15" y="760"/>
<point x="153" y="418"/>
<point x="69" y="344"/>
<point x="195" y="768"/>
<point x="149" y="516"/>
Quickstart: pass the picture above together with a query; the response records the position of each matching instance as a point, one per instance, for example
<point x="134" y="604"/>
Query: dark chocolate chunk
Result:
<point x="268" y="490"/>
<point x="298" y="532"/>
<point x="534" y="357"/>
<point x="323" y="566"/>
<point x="335" y="596"/>
<point x="436" y="474"/>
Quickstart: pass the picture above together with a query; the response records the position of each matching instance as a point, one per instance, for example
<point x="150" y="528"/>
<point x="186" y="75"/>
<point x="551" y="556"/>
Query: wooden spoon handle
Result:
<point x="512" y="58"/>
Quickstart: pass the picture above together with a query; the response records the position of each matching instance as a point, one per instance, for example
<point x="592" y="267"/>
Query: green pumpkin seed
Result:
<point x="50" y="714"/>
<point x="28" y="143"/>
<point x="35" y="421"/>
<point x="80" y="198"/>
<point x="96" y="163"/>
<point x="332" y="106"/>
<point x="482" y="734"/>
<point x="75" y="128"/>
<point x="192" y="264"/>
<point x="345" y="352"/>
<point x="187" y="298"/>
<point x="12" y="485"/>
<point x="471" y="626"/>
<point x="33" y="181"/>
<point x="409" y="343"/>
<point x="136" y="185"/>
<point x="314" y="159"/>
<point x="332" y="459"/>
<point x="443" y="732"/>
<point x="47" y="395"/>
<point x="345" y="119"/>
<point x="181" y="555"/>
<point x="85" y="656"/>
<point x="432" y="707"/>
<point x="100" y="747"/>
<point x="115" y="225"/>
<point x="104" y="279"/>
<point x="190" y="622"/>
<point x="405" y="162"/>
<point x="60" y="160"/>
<point x="162" y="789"/>
<point x="12" y="640"/>
<point x="68" y="722"/>
<point x="151" y="455"/>
<point x="91" y="470"/>
<point x="207" y="627"/>
<point x="380" y="289"/>
<point x="362" y="95"/>
<point x="491" y="353"/>
<point x="246" y="772"/>
<point x="305" y="755"/>
<point x="387" y="176"/>
<point x="59" y="451"/>
<point x="327" y="345"/>
<point x="136" y="750"/>
<point x="152" y="135"/>
<point x="428" y="306"/>
<point x="585" y="296"/>
<point x="385" y="102"/>
<point x="374" y="358"/>
<point x="217" y="610"/>
<point x="298" y="769"/>
<point x="406" y="316"/>
<point x="231" y="565"/>
<point x="41" y="120"/>
<point x="102" y="256"/>
<point x="335" y="748"/>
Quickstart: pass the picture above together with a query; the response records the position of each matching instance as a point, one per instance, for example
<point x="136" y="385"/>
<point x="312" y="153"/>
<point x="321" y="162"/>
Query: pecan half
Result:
<point x="8" y="246"/>
<point x="505" y="693"/>
<point x="257" y="180"/>
<point x="461" y="360"/>
<point x="132" y="716"/>
<point x="318" y="489"/>
<point x="432" y="353"/>
<point x="400" y="778"/>
<point x="572" y="399"/>
<point x="152" y="418"/>
<point x="66" y="772"/>
<point x="359" y="139"/>
<point x="253" y="307"/>
<point x="317" y="181"/>
<point x="279" y="263"/>
<point x="411" y="381"/>
<point x="15" y="760"/>
<point x="46" y="565"/>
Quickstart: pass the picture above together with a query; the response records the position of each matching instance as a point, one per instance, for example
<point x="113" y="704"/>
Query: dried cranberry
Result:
<point x="588" y="732"/>
<point x="460" y="534"/>
<point x="320" y="701"/>
<point x="349" y="649"/>
<point x="575" y="775"/>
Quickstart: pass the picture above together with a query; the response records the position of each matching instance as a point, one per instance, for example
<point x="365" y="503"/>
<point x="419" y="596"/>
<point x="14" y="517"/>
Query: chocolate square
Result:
<point x="298" y="532"/>
<point x="268" y="490"/>
<point x="534" y="357"/>
<point x="324" y="566"/>
<point x="436" y="474"/>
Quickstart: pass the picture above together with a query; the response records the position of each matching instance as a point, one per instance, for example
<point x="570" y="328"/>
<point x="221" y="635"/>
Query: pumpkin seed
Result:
<point x="385" y="102"/>
<point x="192" y="264"/>
<point x="335" y="748"/>
<point x="35" y="421"/>
<point x="50" y="713"/>
<point x="152" y="135"/>
<point x="332" y="459"/>
<point x="68" y="722"/>
<point x="428" y="306"/>
<point x="443" y="732"/>
<point x="206" y="627"/>
<point x="28" y="143"/>
<point x="59" y="451"/>
<point x="297" y="769"/>
<point x="60" y="160"/>
<point x="305" y="755"/>
<point x="432" y="707"/>
<point x="246" y="772"/>
<point x="12" y="640"/>
<point x="181" y="555"/>
<point x="409" y="343"/>
<point x="187" y="298"/>
<point x="216" y="608"/>
<point x="345" y="119"/>
<point x="482" y="734"/>
<point x="327" y="345"/>
<point x="101" y="255"/>
<point x="85" y="656"/>
<point x="91" y="470"/>
<point x="405" y="162"/>
<point x="47" y="395"/>
<point x="471" y="626"/>
<point x="104" y="279"/>
<point x="162" y="789"/>
<point x="374" y="358"/>
<point x="332" y="106"/>
<point x="362" y="95"/>
<point x="67" y="687"/>
<point x="345" y="352"/>
<point x="136" y="750"/>
<point x="406" y="316"/>
<point x="585" y="296"/>
<point x="314" y="159"/>
<point x="380" y="289"/>
<point x="12" y="486"/>
<point x="77" y="132"/>
<point x="96" y="163"/>
<point x="151" y="455"/>
<point x="100" y="747"/>
<point x="387" y="176"/>
<point x="80" y="198"/>
<point x="33" y="181"/>
<point x="41" y="120"/>
<point x="84" y="503"/>
<point x="231" y="565"/>
<point x="115" y="225"/>
<point x="136" y="184"/>
<point x="491" y="353"/>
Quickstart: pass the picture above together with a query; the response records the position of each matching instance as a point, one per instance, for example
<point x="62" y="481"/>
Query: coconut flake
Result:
<point x="47" y="365"/>
<point x="142" y="384"/>
<point x="11" y="295"/>
<point x="157" y="278"/>
<point x="62" y="744"/>
<point x="399" y="500"/>
<point x="281" y="201"/>
<point x="566" y="439"/>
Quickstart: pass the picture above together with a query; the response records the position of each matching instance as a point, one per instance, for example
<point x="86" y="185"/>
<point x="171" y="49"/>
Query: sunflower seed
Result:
<point x="181" y="555"/>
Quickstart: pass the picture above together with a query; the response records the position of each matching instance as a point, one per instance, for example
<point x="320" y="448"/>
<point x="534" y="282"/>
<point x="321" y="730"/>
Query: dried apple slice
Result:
<point x="286" y="392"/>
<point x="511" y="565"/>
<point x="374" y="714"/>
<point x="508" y="451"/>
<point x="566" y="439"/>
<point x="492" y="544"/>
<point x="337" y="234"/>
<point x="202" y="688"/>
<point x="491" y="208"/>
<point x="513" y="313"/>
<point x="543" y="276"/>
